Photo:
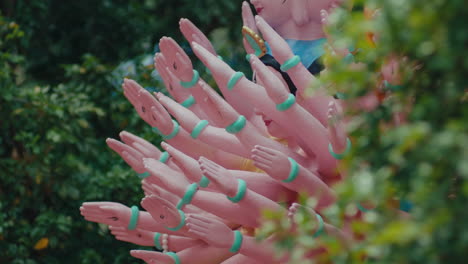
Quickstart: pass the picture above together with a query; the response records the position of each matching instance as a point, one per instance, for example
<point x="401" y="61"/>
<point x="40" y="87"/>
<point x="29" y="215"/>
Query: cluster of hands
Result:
<point x="221" y="167"/>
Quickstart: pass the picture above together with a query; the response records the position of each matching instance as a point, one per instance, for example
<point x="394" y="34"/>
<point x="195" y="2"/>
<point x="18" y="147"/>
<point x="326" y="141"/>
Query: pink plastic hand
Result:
<point x="154" y="189"/>
<point x="193" y="34"/>
<point x="211" y="231"/>
<point x="336" y="129"/>
<point x="131" y="156"/>
<point x="273" y="162"/>
<point x="147" y="149"/>
<point x="171" y="179"/>
<point x="161" y="210"/>
<point x="274" y="87"/>
<point x="137" y="236"/>
<point x="186" y="118"/>
<point x="189" y="166"/>
<point x="219" y="176"/>
<point x="108" y="213"/>
<point x="171" y="82"/>
<point x="248" y="21"/>
<point x="178" y="61"/>
<point x="152" y="257"/>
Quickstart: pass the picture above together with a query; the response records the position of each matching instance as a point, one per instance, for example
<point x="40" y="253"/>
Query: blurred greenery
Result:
<point x="61" y="67"/>
<point x="422" y="161"/>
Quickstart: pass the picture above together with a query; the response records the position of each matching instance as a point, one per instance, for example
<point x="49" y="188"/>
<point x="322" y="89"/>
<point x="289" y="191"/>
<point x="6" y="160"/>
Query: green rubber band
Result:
<point x="247" y="57"/>
<point x="290" y="63"/>
<point x="172" y="134"/>
<point x="362" y="208"/>
<point x="188" y="196"/>
<point x="321" y="226"/>
<point x="340" y="155"/>
<point x="144" y="175"/>
<point x="392" y="87"/>
<point x="237" y="242"/>
<point x="181" y="224"/>
<point x="341" y="96"/>
<point x="164" y="157"/>
<point x="174" y="256"/>
<point x="192" y="82"/>
<point x="198" y="128"/>
<point x="156" y="241"/>
<point x="287" y="103"/>
<point x="221" y="58"/>
<point x="234" y="79"/>
<point x="188" y="102"/>
<point x="204" y="182"/>
<point x="293" y="172"/>
<point x="133" y="218"/>
<point x="237" y="125"/>
<point x="349" y="58"/>
<point x="241" y="189"/>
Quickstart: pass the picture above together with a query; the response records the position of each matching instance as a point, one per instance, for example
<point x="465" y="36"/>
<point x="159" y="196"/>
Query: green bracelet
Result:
<point x="234" y="79"/>
<point x="290" y="63"/>
<point x="174" y="256"/>
<point x="293" y="172"/>
<point x="362" y="208"/>
<point x="204" y="182"/>
<point x="144" y="175"/>
<point x="237" y="125"/>
<point x="237" y="242"/>
<point x="241" y="189"/>
<point x="340" y="155"/>
<point x="164" y="157"/>
<point x="188" y="102"/>
<point x="133" y="218"/>
<point x="172" y="134"/>
<point x="198" y="128"/>
<point x="188" y="196"/>
<point x="181" y="224"/>
<point x="287" y="103"/>
<point x="156" y="241"/>
<point x="392" y="87"/>
<point x="321" y="226"/>
<point x="192" y="82"/>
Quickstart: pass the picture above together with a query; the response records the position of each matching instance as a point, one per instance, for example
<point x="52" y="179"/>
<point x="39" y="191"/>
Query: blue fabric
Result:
<point x="308" y="50"/>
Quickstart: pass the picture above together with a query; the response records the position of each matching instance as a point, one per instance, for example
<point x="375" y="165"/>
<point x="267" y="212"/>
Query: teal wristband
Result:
<point x="144" y="175"/>
<point x="172" y="134"/>
<point x="181" y="224"/>
<point x="290" y="63"/>
<point x="234" y="79"/>
<point x="204" y="182"/>
<point x="164" y="157"/>
<point x="192" y="82"/>
<point x="156" y="241"/>
<point x="241" y="189"/>
<point x="293" y="172"/>
<point x="247" y="57"/>
<point x="321" y="226"/>
<point x="133" y="218"/>
<point x="287" y="103"/>
<point x="188" y="102"/>
<point x="198" y="128"/>
<point x="188" y="196"/>
<point x="362" y="208"/>
<point x="174" y="256"/>
<point x="236" y="245"/>
<point x="340" y="155"/>
<point x="237" y="126"/>
<point x="392" y="87"/>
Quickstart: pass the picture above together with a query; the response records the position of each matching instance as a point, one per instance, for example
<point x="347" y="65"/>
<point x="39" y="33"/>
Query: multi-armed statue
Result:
<point x="227" y="158"/>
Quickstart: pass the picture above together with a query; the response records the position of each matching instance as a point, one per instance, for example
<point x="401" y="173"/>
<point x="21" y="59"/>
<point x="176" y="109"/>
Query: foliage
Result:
<point x="60" y="75"/>
<point x="422" y="161"/>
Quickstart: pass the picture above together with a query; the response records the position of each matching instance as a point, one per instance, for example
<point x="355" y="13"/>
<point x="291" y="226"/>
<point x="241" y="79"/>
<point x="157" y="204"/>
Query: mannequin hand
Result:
<point x="152" y="256"/>
<point x="273" y="162"/>
<point x="147" y="149"/>
<point x="161" y="210"/>
<point x="131" y="156"/>
<point x="179" y="63"/>
<point x="274" y="87"/>
<point x="108" y="213"/>
<point x="219" y="176"/>
<point x="186" y="118"/>
<point x="137" y="236"/>
<point x="193" y="34"/>
<point x="210" y="230"/>
<point x="248" y="21"/>
<point x="171" y="82"/>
